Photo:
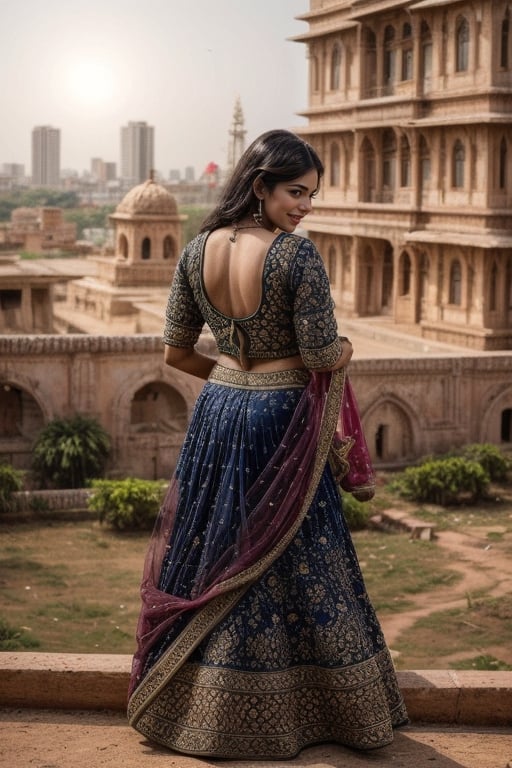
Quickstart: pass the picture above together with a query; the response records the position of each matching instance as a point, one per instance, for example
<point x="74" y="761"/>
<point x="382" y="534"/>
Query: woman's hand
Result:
<point x="346" y="353"/>
<point x="344" y="358"/>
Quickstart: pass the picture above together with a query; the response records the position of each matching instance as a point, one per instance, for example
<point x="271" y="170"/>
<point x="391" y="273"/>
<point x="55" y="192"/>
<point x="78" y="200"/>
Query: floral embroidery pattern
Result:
<point x="295" y="314"/>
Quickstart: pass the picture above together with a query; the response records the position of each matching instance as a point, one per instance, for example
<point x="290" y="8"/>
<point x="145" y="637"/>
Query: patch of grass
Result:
<point x="484" y="623"/>
<point x="395" y="566"/>
<point x="484" y="663"/>
<point x="15" y="638"/>
<point x="72" y="611"/>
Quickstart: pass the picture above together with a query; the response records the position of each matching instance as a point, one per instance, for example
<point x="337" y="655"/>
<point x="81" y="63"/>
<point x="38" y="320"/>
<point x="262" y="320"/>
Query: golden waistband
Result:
<point x="294" y="377"/>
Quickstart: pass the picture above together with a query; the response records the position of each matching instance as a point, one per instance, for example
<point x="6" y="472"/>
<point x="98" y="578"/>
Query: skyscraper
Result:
<point x="137" y="152"/>
<point x="46" y="156"/>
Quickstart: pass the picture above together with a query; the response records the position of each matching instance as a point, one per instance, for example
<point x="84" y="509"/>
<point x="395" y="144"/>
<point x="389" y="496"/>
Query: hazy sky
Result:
<point x="90" y="66"/>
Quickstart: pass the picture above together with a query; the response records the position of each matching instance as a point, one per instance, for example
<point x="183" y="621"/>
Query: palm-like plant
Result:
<point x="69" y="452"/>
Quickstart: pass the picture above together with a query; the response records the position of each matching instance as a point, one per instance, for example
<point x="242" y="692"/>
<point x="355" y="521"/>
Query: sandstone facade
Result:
<point x="410" y="407"/>
<point x="410" y="106"/>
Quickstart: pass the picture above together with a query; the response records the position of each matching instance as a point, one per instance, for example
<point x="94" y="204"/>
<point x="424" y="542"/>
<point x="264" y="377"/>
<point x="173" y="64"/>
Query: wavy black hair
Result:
<point x="273" y="157"/>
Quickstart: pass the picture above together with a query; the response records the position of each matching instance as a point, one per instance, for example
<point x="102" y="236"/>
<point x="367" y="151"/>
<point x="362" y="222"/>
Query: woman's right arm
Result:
<point x="186" y="359"/>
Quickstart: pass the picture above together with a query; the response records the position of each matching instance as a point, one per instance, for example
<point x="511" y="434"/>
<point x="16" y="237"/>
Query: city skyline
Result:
<point x="88" y="70"/>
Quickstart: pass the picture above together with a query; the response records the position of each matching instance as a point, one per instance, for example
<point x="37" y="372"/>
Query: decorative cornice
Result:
<point x="78" y="344"/>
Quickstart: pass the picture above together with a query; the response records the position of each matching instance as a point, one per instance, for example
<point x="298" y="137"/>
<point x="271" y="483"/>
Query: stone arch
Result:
<point x="388" y="279"/>
<point x="425" y="162"/>
<point x="370" y="62"/>
<point x="392" y="431"/>
<point x="122" y="245"/>
<point x="496" y="419"/>
<point x="389" y="60"/>
<point x="458" y="164"/>
<point x="149" y="449"/>
<point x="314" y="73"/>
<point x="502" y="164"/>
<point x="404" y="271"/>
<point x="389" y="156"/>
<point x="455" y="282"/>
<point x="367" y="280"/>
<point x="426" y="55"/>
<point x="407" y="70"/>
<point x="146" y="248"/>
<point x="505" y="40"/>
<point x="334" y="164"/>
<point x="462" y="39"/>
<point x="367" y="174"/>
<point x="335" y="68"/>
<point x="158" y="407"/>
<point x="169" y="248"/>
<point x="405" y="162"/>
<point x="22" y="416"/>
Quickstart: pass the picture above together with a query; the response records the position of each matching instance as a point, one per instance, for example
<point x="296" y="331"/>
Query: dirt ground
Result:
<point x="485" y="568"/>
<point x="36" y="739"/>
<point x="59" y="739"/>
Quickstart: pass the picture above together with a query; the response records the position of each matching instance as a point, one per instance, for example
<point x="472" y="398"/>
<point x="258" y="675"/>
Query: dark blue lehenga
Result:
<point x="298" y="656"/>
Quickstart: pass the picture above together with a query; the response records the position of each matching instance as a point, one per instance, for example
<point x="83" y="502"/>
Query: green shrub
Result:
<point x="490" y="457"/>
<point x="127" y="505"/>
<point x="356" y="512"/>
<point x="12" y="639"/>
<point x="444" y="481"/>
<point x="11" y="481"/>
<point x="70" y="452"/>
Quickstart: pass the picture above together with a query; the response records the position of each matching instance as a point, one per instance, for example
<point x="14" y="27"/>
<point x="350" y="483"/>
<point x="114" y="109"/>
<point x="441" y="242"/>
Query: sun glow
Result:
<point x="91" y="82"/>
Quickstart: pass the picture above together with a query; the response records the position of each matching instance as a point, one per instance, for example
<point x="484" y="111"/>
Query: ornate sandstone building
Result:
<point x="410" y="106"/>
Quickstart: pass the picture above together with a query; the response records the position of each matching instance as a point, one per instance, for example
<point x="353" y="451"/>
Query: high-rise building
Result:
<point x="45" y="156"/>
<point x="137" y="152"/>
<point x="102" y="171"/>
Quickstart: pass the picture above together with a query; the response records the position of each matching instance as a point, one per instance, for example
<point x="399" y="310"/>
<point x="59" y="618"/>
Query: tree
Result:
<point x="69" y="452"/>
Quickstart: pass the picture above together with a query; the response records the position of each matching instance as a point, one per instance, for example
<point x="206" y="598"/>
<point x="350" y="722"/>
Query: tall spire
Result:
<point x="237" y="135"/>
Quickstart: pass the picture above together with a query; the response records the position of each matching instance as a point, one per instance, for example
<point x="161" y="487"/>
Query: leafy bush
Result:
<point x="490" y="457"/>
<point x="69" y="452"/>
<point x="11" y="481"/>
<point x="356" y="512"/>
<point x="127" y="505"/>
<point x="444" y="481"/>
<point x="12" y="639"/>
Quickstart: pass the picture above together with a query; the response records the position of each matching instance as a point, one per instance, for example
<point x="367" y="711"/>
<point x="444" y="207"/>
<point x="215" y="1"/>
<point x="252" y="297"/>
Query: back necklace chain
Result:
<point x="237" y="228"/>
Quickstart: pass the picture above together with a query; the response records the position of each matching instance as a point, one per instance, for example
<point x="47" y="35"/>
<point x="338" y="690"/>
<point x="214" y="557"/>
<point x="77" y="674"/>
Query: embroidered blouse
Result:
<point x="295" y="314"/>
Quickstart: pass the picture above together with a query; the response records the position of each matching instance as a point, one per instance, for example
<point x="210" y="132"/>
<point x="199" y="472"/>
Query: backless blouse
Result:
<point x="295" y="314"/>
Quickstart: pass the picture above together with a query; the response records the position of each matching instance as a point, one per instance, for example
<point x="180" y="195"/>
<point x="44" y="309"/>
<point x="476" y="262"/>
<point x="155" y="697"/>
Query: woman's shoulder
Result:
<point x="193" y="249"/>
<point x="297" y="249"/>
<point x="293" y="242"/>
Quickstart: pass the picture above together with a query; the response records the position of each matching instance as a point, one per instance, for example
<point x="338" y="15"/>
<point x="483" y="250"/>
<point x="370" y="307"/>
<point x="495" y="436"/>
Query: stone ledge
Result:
<point x="100" y="681"/>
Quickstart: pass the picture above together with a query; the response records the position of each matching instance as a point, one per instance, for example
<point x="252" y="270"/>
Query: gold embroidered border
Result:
<point x="232" y="589"/>
<point x="275" y="714"/>
<point x="294" y="377"/>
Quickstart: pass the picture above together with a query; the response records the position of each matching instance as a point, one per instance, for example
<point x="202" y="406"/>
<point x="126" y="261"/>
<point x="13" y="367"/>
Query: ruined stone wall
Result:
<point x="410" y="407"/>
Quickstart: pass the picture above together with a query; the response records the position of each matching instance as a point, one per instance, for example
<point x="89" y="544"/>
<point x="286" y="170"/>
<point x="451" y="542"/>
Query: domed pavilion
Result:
<point x="128" y="292"/>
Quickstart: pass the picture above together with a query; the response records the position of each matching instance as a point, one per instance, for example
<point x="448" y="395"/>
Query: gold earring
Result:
<point x="258" y="217"/>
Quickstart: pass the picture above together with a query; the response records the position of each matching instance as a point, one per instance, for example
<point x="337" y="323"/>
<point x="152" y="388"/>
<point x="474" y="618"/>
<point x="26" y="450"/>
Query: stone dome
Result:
<point x="148" y="199"/>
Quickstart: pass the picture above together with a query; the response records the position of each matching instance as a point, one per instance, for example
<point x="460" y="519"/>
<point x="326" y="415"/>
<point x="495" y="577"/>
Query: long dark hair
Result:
<point x="274" y="157"/>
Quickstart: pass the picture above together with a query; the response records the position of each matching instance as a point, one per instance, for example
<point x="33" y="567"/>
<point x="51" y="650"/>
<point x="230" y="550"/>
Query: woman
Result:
<point x="256" y="636"/>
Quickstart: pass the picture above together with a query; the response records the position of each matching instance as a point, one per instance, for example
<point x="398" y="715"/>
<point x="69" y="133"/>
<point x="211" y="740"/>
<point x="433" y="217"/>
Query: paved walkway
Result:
<point x="63" y="739"/>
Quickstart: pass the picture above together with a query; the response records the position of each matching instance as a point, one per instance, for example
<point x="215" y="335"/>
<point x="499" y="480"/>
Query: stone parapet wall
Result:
<point x="56" y="500"/>
<point x="100" y="681"/>
<point x="411" y="406"/>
